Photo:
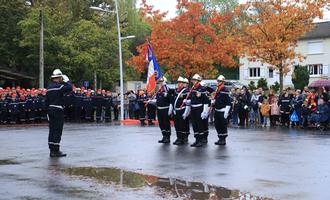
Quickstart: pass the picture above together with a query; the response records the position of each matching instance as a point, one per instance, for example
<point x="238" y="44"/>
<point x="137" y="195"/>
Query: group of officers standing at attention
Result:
<point x="193" y="105"/>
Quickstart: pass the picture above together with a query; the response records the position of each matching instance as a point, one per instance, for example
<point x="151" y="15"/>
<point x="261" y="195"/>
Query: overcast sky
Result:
<point x="169" y="5"/>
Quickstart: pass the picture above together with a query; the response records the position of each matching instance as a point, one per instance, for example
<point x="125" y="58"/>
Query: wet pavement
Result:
<point x="126" y="162"/>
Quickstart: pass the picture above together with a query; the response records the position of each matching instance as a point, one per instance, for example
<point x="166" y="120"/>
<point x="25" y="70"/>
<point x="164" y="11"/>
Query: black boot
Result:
<point x="198" y="142"/>
<point x="176" y="142"/>
<point x="204" y="139"/>
<point x="142" y="123"/>
<point x="165" y="140"/>
<point x="56" y="153"/>
<point x="178" y="136"/>
<point x="221" y="141"/>
<point x="150" y="123"/>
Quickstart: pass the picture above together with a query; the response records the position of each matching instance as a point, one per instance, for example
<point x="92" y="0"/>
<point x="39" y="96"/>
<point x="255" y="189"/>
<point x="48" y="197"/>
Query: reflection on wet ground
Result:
<point x="164" y="187"/>
<point x="8" y="162"/>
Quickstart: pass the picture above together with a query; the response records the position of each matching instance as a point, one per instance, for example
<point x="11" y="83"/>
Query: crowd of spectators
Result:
<point x="296" y="108"/>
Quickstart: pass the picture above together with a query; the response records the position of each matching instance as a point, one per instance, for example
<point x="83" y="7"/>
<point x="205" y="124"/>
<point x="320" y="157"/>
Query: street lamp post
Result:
<point x="120" y="54"/>
<point x="41" y="51"/>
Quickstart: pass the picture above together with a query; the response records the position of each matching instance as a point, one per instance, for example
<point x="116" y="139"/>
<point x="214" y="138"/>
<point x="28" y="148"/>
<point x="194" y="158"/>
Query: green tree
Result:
<point x="79" y="40"/>
<point x="252" y="85"/>
<point x="275" y="87"/>
<point x="262" y="83"/>
<point x="11" y="12"/>
<point x="300" y="77"/>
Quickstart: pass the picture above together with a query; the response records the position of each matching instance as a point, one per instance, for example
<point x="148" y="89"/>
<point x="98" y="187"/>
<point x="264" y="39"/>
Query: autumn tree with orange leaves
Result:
<point x="191" y="42"/>
<point x="271" y="29"/>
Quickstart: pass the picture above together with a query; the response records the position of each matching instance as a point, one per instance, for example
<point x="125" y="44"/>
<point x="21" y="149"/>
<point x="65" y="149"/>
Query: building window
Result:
<point x="271" y="73"/>
<point x="254" y="72"/>
<point x="315" y="69"/>
<point x="315" y="47"/>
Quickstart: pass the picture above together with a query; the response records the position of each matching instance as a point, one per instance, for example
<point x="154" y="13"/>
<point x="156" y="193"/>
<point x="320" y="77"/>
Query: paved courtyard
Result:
<point x="125" y="162"/>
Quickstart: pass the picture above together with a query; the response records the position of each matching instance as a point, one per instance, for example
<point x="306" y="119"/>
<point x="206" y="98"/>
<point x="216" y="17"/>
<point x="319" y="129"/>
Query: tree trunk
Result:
<point x="280" y="68"/>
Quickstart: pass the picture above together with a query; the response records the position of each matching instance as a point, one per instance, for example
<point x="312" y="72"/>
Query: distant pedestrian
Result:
<point x="264" y="109"/>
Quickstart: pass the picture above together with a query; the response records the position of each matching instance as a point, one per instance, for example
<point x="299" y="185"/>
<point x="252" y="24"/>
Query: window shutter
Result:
<point x="315" y="47"/>
<point x="262" y="72"/>
<point x="325" y="70"/>
<point x="246" y="73"/>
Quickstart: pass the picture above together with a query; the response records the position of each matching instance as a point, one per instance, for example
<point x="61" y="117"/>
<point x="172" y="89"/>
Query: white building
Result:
<point x="315" y="46"/>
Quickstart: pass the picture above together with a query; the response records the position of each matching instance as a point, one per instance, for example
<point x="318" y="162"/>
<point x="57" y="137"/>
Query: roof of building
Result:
<point x="9" y="74"/>
<point x="321" y="30"/>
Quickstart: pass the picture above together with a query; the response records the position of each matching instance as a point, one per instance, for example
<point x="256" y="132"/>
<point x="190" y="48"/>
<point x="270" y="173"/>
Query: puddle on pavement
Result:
<point x="8" y="162"/>
<point x="163" y="186"/>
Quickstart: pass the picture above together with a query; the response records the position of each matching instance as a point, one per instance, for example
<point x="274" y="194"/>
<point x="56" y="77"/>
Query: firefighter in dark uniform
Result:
<point x="164" y="110"/>
<point x="77" y="104"/>
<point x="141" y="99"/>
<point x="181" y="112"/>
<point x="99" y="103"/>
<point x="151" y="113"/>
<point x="43" y="106"/>
<point x="221" y="104"/>
<point x="59" y="85"/>
<point x="22" y="109"/>
<point x="107" y="106"/>
<point x="3" y="109"/>
<point x="13" y="109"/>
<point x="199" y="111"/>
<point x="87" y="103"/>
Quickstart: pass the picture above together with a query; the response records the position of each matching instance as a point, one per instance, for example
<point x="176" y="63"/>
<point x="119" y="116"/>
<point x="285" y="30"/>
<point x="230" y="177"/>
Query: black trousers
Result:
<point x="107" y="114"/>
<point x="221" y="124"/>
<point x="56" y="119"/>
<point x="3" y="116"/>
<point x="285" y="119"/>
<point x="88" y="113"/>
<point x="151" y="114"/>
<point x="116" y="112"/>
<point x="200" y="126"/>
<point x="181" y="125"/>
<point x="164" y="122"/>
<point x="98" y="113"/>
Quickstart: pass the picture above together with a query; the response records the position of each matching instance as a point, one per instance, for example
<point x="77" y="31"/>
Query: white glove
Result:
<point x="186" y="112"/>
<point x="187" y="102"/>
<point x="152" y="101"/>
<point x="226" y="113"/>
<point x="213" y="101"/>
<point x="205" y="112"/>
<point x="65" y="78"/>
<point x="170" y="110"/>
<point x="246" y="107"/>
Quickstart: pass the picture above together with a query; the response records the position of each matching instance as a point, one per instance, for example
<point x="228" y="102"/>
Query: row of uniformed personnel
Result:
<point x="193" y="105"/>
<point x="20" y="106"/>
<point x="83" y="105"/>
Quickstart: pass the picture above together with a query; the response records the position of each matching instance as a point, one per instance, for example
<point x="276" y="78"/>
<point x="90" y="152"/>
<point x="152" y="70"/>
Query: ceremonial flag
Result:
<point x="154" y="72"/>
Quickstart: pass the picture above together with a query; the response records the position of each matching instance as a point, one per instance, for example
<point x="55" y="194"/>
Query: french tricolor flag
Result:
<point x="154" y="72"/>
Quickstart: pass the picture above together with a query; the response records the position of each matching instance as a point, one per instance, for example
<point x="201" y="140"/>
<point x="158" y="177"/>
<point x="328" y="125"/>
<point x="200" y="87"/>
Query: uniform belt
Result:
<point x="197" y="105"/>
<point x="184" y="107"/>
<point x="220" y="110"/>
<point x="56" y="106"/>
<point x="162" y="108"/>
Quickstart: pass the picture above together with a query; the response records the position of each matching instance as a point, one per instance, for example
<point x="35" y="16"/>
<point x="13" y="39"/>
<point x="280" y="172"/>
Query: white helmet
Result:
<point x="197" y="77"/>
<point x="163" y="79"/>
<point x="185" y="80"/>
<point x="203" y="83"/>
<point x="180" y="79"/>
<point x="57" y="73"/>
<point x="221" y="78"/>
